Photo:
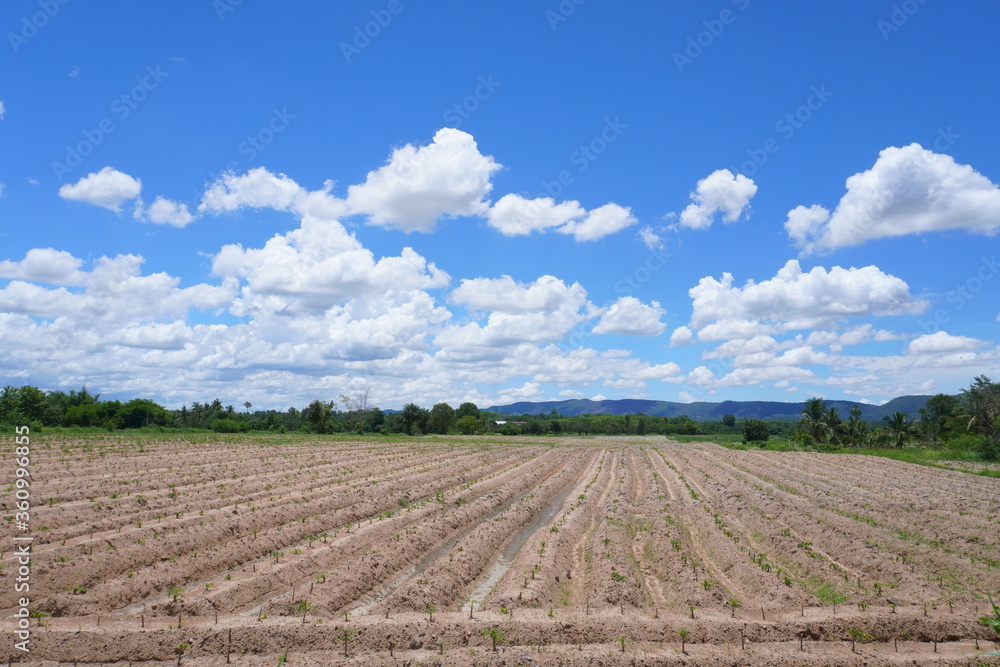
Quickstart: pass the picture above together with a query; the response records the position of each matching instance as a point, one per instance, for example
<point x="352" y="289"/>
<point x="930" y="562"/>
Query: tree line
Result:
<point x="969" y="421"/>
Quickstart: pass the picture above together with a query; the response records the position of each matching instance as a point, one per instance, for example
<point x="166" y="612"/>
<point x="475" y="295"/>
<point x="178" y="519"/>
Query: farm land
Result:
<point x="311" y="550"/>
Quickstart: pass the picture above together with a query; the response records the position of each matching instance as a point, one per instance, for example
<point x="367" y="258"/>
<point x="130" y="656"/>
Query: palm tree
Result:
<point x="856" y="427"/>
<point x="834" y="425"/>
<point x="813" y="419"/>
<point x="900" y="427"/>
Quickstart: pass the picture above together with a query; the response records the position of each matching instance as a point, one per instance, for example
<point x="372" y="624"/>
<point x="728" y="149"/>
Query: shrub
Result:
<point x="228" y="426"/>
<point x="755" y="430"/>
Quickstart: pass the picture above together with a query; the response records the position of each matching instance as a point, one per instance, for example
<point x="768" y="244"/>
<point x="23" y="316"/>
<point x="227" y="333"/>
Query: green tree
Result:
<point x="140" y="412"/>
<point x="229" y="426"/>
<point x="729" y="421"/>
<point x="442" y="418"/>
<point x="834" y="425"/>
<point x="980" y="409"/>
<point x="467" y="409"/>
<point x="900" y="428"/>
<point x="936" y="415"/>
<point x="411" y="416"/>
<point x="755" y="430"/>
<point x="469" y="425"/>
<point x="814" y="419"/>
<point x="318" y="415"/>
<point x="856" y="428"/>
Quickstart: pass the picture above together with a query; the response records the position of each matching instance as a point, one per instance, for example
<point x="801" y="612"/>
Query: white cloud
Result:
<point x="668" y="372"/>
<point x="742" y="346"/>
<point x="525" y="392"/>
<point x="547" y="294"/>
<point x="686" y="397"/>
<point x="794" y="299"/>
<point x="47" y="265"/>
<point x="108" y="187"/>
<point x="514" y="215"/>
<point x="681" y="336"/>
<point x="158" y="336"/>
<point x="803" y="222"/>
<point x="419" y="185"/>
<point x="943" y="343"/>
<point x="909" y="190"/>
<point x="719" y="192"/>
<point x="599" y="223"/>
<point x="115" y="293"/>
<point x="166" y="212"/>
<point x="701" y="376"/>
<point x="799" y="356"/>
<point x="631" y="317"/>
<point x="258" y="188"/>
<point x="318" y="265"/>
<point x="3" y="110"/>
<point x="651" y="239"/>
<point x="543" y="311"/>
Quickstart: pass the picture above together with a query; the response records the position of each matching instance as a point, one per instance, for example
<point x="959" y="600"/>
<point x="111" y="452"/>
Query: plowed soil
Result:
<point x="239" y="549"/>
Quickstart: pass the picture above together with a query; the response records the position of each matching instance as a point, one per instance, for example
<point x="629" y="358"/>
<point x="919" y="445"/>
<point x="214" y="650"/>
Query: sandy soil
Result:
<point x="580" y="551"/>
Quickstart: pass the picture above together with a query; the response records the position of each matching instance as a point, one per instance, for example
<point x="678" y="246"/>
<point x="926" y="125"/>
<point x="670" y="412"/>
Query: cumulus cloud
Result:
<point x="909" y="190"/>
<point x="46" y="265"/>
<point x="503" y="294"/>
<point x="599" y="223"/>
<point x="108" y="187"/>
<point x="167" y="212"/>
<point x="651" y="239"/>
<point x="419" y="185"/>
<point x="115" y="293"/>
<point x="719" y="192"/>
<point x="317" y="266"/>
<point x="545" y="310"/>
<point x="681" y="336"/>
<point x="794" y="299"/>
<point x="943" y="343"/>
<point x="258" y="188"/>
<point x="631" y="317"/>
<point x="514" y="215"/>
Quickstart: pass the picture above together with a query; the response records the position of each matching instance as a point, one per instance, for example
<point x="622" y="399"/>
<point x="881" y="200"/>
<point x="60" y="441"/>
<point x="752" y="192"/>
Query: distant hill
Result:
<point x="704" y="410"/>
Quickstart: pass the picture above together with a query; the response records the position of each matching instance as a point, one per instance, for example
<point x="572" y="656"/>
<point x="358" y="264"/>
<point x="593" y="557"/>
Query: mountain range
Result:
<point x="705" y="410"/>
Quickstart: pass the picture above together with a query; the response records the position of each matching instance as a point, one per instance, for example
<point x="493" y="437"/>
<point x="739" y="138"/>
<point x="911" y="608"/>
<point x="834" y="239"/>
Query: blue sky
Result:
<point x="493" y="202"/>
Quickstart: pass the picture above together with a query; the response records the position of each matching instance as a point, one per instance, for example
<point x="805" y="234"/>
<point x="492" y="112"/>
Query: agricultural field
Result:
<point x="271" y="550"/>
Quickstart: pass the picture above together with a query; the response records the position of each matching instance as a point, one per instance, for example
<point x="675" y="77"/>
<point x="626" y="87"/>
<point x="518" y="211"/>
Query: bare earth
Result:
<point x="597" y="551"/>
